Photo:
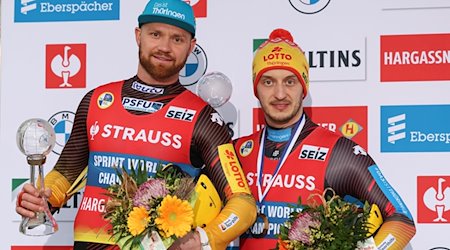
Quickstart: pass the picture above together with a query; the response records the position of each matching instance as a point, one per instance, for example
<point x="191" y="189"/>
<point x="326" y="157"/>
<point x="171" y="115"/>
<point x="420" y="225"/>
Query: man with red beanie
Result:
<point x="292" y="156"/>
<point x="133" y="119"/>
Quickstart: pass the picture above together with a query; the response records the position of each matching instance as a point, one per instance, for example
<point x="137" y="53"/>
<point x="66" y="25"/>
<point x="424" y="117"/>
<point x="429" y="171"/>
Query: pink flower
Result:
<point x="300" y="229"/>
<point x="150" y="190"/>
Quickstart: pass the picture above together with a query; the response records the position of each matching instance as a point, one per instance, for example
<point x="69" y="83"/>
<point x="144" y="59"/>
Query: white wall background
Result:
<point x="226" y="35"/>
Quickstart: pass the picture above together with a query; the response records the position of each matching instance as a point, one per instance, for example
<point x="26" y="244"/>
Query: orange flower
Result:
<point x="176" y="216"/>
<point x="138" y="220"/>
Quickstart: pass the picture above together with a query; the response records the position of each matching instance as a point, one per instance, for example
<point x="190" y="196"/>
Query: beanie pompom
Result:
<point x="281" y="34"/>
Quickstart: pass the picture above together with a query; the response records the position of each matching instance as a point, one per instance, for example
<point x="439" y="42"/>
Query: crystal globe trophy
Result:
<point x="214" y="88"/>
<point x="35" y="139"/>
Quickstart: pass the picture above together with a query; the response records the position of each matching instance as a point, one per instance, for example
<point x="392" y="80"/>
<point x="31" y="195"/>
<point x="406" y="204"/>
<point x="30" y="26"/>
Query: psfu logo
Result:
<point x="396" y="128"/>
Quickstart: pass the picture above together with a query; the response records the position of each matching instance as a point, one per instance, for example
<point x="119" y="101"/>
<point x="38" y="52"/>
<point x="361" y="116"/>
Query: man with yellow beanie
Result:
<point x="292" y="156"/>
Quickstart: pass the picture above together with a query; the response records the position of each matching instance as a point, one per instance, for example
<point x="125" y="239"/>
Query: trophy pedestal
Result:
<point x="38" y="226"/>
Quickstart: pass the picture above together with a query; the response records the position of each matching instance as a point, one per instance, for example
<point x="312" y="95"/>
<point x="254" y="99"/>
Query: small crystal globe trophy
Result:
<point x="35" y="139"/>
<point x="214" y="88"/>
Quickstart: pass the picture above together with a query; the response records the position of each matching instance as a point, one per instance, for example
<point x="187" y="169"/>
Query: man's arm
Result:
<point x="213" y="143"/>
<point x="74" y="157"/>
<point x="351" y="171"/>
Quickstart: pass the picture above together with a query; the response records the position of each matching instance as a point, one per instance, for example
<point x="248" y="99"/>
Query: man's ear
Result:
<point x="137" y="34"/>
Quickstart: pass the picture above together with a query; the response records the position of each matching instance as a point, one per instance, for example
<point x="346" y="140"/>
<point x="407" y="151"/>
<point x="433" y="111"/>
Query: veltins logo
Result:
<point x="65" y="66"/>
<point x="424" y="57"/>
<point x="415" y="128"/>
<point x="195" y="67"/>
<point x="309" y="6"/>
<point x="65" y="10"/>
<point x="350" y="122"/>
<point x="433" y="199"/>
<point x="344" y="61"/>
<point x="199" y="7"/>
<point x="62" y="123"/>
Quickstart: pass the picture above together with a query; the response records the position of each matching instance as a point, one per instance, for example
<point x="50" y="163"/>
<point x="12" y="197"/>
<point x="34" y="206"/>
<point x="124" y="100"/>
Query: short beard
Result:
<point x="158" y="72"/>
<point x="283" y="120"/>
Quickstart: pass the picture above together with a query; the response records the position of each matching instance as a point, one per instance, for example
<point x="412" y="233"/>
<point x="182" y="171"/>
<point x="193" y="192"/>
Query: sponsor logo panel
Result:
<point x="199" y="7"/>
<point x="65" y="66"/>
<point x="195" y="67"/>
<point x="350" y="122"/>
<point x="433" y="199"/>
<point x="183" y="114"/>
<point x="345" y="61"/>
<point x="415" y="128"/>
<point x="62" y="123"/>
<point x="65" y="10"/>
<point x="309" y="6"/>
<point x="422" y="57"/>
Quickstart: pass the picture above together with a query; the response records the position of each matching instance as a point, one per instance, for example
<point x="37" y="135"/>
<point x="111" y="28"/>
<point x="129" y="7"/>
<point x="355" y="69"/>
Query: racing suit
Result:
<point x="309" y="161"/>
<point x="129" y="122"/>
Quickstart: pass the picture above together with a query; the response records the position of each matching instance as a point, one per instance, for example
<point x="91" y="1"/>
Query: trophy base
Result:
<point x="40" y="226"/>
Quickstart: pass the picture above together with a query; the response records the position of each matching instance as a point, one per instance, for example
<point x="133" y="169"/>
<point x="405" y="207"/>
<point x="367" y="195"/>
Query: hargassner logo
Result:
<point x="396" y="128"/>
<point x="423" y="57"/>
<point x="415" y="128"/>
<point x="65" y="10"/>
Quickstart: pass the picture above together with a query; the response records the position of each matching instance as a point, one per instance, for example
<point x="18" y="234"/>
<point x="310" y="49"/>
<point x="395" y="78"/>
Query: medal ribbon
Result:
<point x="287" y="150"/>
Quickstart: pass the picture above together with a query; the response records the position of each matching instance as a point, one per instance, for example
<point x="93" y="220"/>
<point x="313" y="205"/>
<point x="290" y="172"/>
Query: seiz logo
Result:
<point x="422" y="57"/>
<point x="65" y="66"/>
<point x="183" y="114"/>
<point x="65" y="10"/>
<point x="396" y="128"/>
<point x="427" y="129"/>
<point x="313" y="153"/>
<point x="199" y="7"/>
<point x="433" y="199"/>
<point x="309" y="6"/>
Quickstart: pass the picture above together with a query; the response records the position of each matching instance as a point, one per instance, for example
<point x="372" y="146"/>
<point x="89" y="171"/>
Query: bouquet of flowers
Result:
<point x="331" y="223"/>
<point x="151" y="212"/>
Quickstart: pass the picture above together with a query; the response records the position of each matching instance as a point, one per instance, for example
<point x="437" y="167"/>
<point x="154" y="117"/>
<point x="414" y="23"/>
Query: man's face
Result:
<point x="280" y="94"/>
<point x="163" y="50"/>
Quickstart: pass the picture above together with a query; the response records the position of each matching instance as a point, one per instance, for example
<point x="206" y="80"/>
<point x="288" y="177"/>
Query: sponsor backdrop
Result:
<point x="380" y="75"/>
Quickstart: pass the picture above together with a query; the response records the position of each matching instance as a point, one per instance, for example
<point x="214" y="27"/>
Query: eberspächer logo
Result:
<point x="309" y="6"/>
<point x="65" y="10"/>
<point x="415" y="128"/>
